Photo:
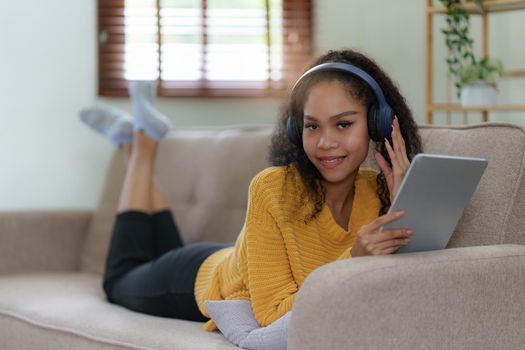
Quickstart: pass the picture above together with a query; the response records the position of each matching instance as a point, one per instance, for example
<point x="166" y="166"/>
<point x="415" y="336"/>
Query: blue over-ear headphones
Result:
<point x="380" y="114"/>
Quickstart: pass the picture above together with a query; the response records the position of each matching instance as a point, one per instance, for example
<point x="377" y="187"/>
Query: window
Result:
<point x="203" y="47"/>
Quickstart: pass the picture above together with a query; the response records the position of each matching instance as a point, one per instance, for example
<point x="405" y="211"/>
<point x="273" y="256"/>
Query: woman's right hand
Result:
<point x="372" y="242"/>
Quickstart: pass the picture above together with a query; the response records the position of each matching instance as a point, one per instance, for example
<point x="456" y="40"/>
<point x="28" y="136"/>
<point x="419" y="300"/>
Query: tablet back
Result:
<point x="434" y="193"/>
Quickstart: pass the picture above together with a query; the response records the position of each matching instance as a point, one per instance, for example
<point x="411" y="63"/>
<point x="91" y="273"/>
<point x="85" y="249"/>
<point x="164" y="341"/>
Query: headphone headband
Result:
<point x="345" y="67"/>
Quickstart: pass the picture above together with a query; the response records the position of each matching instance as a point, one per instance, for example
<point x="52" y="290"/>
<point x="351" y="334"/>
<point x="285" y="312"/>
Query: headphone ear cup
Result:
<point x="292" y="131"/>
<point x="373" y="123"/>
<point x="386" y="119"/>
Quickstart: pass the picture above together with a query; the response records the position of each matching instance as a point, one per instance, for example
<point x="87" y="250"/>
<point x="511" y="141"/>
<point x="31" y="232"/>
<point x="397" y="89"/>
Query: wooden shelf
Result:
<point x="456" y="107"/>
<point x="488" y="6"/>
<point x="514" y="74"/>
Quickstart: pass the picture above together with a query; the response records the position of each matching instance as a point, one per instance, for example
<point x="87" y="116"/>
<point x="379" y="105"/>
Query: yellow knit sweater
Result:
<point x="276" y="250"/>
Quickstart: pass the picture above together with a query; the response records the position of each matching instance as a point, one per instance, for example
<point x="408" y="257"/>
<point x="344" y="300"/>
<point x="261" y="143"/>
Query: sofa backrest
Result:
<point x="204" y="174"/>
<point x="495" y="214"/>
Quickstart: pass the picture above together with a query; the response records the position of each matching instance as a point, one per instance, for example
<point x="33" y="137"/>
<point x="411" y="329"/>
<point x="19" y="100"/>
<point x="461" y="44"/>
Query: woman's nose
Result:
<point x="327" y="140"/>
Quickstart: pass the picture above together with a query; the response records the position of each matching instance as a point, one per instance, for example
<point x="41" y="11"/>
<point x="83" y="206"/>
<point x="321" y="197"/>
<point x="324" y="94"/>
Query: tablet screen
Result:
<point x="434" y="193"/>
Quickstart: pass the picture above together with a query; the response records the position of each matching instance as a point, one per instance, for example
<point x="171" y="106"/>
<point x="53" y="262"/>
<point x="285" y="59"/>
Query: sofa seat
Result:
<point x="69" y="311"/>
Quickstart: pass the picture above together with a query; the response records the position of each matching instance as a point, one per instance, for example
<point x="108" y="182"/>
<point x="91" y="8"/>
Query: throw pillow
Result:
<point x="236" y="321"/>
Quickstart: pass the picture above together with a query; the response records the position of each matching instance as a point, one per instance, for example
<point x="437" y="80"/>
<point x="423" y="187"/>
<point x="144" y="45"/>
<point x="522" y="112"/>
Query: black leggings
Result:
<point x="150" y="270"/>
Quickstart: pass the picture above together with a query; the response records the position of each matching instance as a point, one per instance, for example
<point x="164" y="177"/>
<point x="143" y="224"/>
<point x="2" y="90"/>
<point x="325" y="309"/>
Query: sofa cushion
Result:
<point x="205" y="175"/>
<point x="68" y="311"/>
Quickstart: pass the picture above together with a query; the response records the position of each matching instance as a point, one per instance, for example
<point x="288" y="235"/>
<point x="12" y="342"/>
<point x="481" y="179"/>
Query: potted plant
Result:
<point x="474" y="78"/>
<point x="479" y="80"/>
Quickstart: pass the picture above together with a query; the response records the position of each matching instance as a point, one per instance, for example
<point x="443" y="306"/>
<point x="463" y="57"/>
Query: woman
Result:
<point x="313" y="207"/>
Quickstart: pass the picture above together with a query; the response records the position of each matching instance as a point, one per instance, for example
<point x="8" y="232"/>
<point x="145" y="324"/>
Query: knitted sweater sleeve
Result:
<point x="270" y="280"/>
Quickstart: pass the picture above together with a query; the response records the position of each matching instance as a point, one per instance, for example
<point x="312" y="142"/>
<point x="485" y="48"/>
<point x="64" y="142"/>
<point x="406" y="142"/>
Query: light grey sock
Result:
<point x="146" y="117"/>
<point x="111" y="122"/>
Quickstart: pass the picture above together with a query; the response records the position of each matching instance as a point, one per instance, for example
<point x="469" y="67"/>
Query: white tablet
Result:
<point x="433" y="194"/>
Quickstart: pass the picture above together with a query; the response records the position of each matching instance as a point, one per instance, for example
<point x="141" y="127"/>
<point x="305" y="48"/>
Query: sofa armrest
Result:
<point x="462" y="298"/>
<point x="42" y="241"/>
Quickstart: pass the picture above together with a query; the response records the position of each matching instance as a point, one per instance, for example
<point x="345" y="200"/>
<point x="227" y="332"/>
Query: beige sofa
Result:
<point x="464" y="298"/>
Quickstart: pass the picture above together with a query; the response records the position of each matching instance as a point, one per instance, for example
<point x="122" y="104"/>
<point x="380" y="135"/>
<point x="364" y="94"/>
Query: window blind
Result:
<point x="203" y="47"/>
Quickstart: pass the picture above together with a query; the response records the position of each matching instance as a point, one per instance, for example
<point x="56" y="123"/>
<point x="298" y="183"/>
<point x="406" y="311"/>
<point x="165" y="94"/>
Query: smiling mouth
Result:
<point x="331" y="162"/>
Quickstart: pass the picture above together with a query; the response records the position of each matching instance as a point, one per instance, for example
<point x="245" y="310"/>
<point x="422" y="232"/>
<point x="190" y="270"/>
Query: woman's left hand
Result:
<point x="398" y="156"/>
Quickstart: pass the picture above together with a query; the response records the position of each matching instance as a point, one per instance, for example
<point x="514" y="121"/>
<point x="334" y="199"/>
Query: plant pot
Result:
<point x="477" y="94"/>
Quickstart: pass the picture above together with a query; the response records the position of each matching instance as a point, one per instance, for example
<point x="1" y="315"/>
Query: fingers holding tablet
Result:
<point x="370" y="241"/>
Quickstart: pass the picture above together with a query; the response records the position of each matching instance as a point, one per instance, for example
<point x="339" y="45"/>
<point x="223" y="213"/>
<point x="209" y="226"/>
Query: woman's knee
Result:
<point x="107" y="285"/>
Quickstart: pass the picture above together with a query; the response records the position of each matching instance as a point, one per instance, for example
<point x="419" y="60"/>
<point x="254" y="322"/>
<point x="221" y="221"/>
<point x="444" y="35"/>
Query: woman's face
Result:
<point x="335" y="133"/>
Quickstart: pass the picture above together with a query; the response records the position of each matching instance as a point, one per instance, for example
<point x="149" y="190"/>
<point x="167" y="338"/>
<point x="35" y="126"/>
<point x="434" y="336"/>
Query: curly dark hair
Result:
<point x="285" y="153"/>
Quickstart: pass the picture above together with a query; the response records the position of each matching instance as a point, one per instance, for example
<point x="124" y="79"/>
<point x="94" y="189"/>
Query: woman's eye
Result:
<point x="310" y="126"/>
<point x="343" y="125"/>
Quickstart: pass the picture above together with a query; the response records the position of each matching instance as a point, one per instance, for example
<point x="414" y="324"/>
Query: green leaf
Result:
<point x="479" y="3"/>
<point x="458" y="41"/>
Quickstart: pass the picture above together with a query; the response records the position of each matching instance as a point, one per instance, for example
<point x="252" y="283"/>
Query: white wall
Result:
<point x="48" y="72"/>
